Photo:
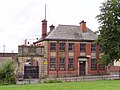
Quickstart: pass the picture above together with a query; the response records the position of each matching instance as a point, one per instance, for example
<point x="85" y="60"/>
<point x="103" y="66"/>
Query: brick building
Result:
<point x="7" y="56"/>
<point x="70" y="50"/>
<point x="67" y="50"/>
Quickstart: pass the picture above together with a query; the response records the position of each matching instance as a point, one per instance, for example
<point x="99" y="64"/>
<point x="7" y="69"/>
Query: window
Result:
<point x="52" y="63"/>
<point x="93" y="64"/>
<point x="20" y="50"/>
<point x="39" y="50"/>
<point x="32" y="50"/>
<point x="82" y="47"/>
<point x="52" y="46"/>
<point x="62" y="46"/>
<point x="93" y="47"/>
<point x="62" y="63"/>
<point x="71" y="46"/>
<point x="71" y="64"/>
<point x="101" y="67"/>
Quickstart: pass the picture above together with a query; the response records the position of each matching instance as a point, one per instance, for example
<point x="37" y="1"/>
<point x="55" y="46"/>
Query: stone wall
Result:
<point x="41" y="63"/>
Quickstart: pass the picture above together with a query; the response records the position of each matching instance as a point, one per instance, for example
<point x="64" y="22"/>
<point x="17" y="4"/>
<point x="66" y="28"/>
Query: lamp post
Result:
<point x="3" y="48"/>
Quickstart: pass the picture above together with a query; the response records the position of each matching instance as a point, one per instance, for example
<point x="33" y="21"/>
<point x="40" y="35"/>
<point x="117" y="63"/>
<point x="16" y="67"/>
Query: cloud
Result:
<point x="18" y="21"/>
<point x="21" y="19"/>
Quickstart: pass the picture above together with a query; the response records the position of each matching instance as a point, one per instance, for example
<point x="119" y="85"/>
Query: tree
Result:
<point x="109" y="31"/>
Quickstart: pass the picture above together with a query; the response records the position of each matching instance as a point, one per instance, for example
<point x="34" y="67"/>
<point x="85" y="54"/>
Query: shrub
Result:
<point x="7" y="75"/>
<point x="52" y="81"/>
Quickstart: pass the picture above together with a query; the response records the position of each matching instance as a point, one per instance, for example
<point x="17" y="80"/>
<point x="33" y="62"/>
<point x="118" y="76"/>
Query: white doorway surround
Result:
<point x="84" y="67"/>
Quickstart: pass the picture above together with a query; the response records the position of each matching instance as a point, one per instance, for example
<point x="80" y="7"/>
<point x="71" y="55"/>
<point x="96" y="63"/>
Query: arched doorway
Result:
<point x="31" y="69"/>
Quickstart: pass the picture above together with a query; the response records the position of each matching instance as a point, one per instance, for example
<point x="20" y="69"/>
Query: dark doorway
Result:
<point x="31" y="72"/>
<point x="82" y="68"/>
<point x="31" y="69"/>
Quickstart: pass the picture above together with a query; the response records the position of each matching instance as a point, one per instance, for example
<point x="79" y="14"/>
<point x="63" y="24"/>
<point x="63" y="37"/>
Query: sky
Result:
<point x="21" y="19"/>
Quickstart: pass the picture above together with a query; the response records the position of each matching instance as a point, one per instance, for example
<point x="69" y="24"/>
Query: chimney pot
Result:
<point x="52" y="27"/>
<point x="83" y="26"/>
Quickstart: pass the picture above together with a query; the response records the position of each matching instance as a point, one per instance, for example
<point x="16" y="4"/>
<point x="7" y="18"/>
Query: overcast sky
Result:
<point x="21" y="19"/>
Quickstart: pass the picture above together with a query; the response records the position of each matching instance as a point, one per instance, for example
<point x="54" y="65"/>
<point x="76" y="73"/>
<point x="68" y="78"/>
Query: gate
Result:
<point x="31" y="72"/>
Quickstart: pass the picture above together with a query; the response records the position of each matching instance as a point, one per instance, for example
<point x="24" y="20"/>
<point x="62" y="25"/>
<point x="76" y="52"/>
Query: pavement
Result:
<point x="27" y="81"/>
<point x="71" y="79"/>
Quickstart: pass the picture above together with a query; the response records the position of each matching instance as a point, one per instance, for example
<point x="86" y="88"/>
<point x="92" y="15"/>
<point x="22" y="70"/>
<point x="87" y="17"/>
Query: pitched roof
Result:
<point x="71" y="32"/>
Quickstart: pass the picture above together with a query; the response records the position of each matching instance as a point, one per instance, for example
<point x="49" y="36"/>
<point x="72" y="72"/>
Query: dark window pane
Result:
<point x="62" y="60"/>
<point x="52" y="63"/>
<point x="62" y="63"/>
<point x="52" y="46"/>
<point x="52" y="60"/>
<point x="82" y="47"/>
<point x="62" y="46"/>
<point x="101" y="66"/>
<point x="93" y="64"/>
<point x="93" y="47"/>
<point x="71" y="64"/>
<point x="52" y="67"/>
<point x="71" y="46"/>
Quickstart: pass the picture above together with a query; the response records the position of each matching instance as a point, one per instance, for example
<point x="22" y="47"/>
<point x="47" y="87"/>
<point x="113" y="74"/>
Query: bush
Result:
<point x="7" y="75"/>
<point x="52" y="81"/>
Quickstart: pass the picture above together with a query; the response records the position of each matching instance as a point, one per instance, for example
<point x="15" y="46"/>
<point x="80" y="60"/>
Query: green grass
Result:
<point x="91" y="85"/>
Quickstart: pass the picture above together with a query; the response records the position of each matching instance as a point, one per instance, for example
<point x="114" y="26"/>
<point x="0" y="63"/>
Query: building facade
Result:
<point x="4" y="57"/>
<point x="68" y="50"/>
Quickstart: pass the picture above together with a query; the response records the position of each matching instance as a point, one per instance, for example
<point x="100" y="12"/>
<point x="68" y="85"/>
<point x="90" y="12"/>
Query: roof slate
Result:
<point x="71" y="32"/>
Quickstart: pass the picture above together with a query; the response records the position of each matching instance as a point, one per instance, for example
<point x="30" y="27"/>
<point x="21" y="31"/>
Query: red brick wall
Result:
<point x="57" y="57"/>
<point x="65" y="72"/>
<point x="48" y="57"/>
<point x="66" y="58"/>
<point x="88" y="52"/>
<point x="114" y="68"/>
<point x="76" y="55"/>
<point x="13" y="55"/>
<point x="97" y="71"/>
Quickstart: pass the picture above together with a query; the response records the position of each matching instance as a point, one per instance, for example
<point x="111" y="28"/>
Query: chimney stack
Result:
<point x="83" y="26"/>
<point x="52" y="27"/>
<point x="44" y="28"/>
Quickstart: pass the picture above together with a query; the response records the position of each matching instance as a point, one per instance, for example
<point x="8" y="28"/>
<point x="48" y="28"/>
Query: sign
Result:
<point x="45" y="62"/>
<point x="88" y="55"/>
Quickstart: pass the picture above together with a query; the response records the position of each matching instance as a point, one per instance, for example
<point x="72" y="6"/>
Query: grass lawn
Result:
<point x="91" y="85"/>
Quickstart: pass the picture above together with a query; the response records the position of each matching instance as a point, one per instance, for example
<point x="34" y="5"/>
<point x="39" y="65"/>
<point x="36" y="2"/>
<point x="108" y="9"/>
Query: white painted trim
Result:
<point x="82" y="59"/>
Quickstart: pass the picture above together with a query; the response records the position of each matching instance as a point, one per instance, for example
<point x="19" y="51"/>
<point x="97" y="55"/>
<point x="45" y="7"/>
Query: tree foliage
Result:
<point x="109" y="37"/>
<point x="7" y="75"/>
